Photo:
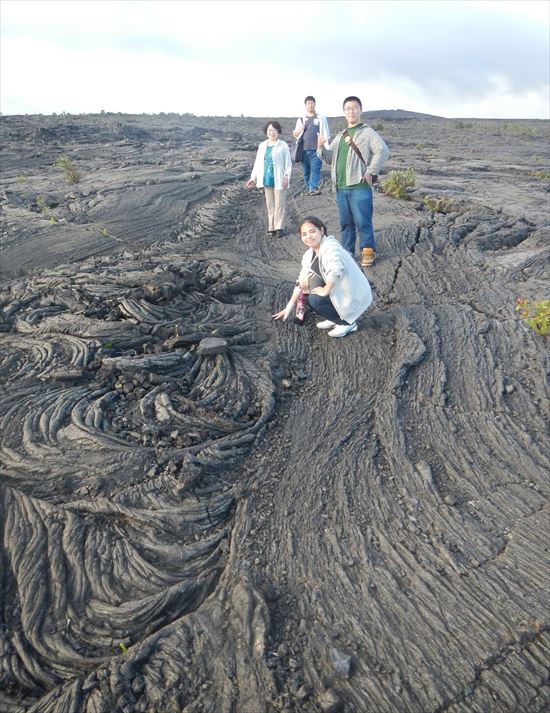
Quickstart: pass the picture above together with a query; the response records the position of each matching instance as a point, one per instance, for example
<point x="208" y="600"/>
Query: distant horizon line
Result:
<point x="373" y="113"/>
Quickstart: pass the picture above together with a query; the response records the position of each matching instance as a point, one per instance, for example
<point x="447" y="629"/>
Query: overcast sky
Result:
<point x="261" y="58"/>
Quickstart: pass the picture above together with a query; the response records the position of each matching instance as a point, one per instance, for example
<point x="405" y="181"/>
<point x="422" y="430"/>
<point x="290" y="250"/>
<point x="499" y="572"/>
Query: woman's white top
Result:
<point x="351" y="294"/>
<point x="282" y="164"/>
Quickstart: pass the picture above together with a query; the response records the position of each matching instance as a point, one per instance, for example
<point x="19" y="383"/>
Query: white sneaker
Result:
<point x="327" y="324"/>
<point x="342" y="329"/>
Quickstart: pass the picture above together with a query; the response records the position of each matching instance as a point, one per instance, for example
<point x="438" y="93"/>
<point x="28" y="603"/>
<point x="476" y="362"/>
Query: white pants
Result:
<point x="276" y="205"/>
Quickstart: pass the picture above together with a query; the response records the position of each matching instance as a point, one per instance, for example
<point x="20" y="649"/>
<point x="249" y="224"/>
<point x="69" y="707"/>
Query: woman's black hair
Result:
<point x="314" y="221"/>
<point x="274" y="124"/>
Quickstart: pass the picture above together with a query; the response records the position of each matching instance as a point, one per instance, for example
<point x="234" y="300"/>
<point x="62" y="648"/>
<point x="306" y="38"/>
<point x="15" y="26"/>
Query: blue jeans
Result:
<point x="324" y="307"/>
<point x="355" y="209"/>
<point x="311" y="164"/>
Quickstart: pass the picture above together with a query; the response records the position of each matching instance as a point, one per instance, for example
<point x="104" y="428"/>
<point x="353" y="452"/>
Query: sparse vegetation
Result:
<point x="44" y="208"/>
<point x="459" y="124"/>
<point x="397" y="182"/>
<point x="518" y="129"/>
<point x="67" y="167"/>
<point x="543" y="175"/>
<point x="41" y="203"/>
<point x="437" y="205"/>
<point x="535" y="314"/>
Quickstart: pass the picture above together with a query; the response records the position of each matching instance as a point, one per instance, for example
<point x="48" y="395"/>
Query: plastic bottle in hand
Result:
<point x="300" y="309"/>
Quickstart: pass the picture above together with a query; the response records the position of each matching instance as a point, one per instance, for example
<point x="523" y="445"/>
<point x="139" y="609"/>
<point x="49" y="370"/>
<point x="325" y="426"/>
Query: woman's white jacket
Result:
<point x="282" y="164"/>
<point x="351" y="294"/>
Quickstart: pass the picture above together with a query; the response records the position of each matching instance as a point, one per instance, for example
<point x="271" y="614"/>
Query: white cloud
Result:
<point x="446" y="58"/>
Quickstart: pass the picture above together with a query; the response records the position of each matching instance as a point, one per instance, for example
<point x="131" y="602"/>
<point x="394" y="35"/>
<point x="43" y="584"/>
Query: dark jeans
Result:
<point x="324" y="307"/>
<point x="311" y="164"/>
<point x="355" y="210"/>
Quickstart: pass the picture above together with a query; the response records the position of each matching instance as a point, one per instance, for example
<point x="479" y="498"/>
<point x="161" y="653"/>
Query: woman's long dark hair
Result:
<point x="314" y="221"/>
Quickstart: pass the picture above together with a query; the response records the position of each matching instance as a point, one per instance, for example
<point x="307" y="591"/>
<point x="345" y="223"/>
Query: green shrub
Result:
<point x="66" y="166"/>
<point x="397" y="182"/>
<point x="518" y="130"/>
<point x="437" y="205"/>
<point x="43" y="208"/>
<point x="535" y="314"/>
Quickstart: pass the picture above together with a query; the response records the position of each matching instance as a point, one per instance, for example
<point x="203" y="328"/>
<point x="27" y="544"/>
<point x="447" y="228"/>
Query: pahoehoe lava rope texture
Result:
<point x="117" y="457"/>
<point x="205" y="512"/>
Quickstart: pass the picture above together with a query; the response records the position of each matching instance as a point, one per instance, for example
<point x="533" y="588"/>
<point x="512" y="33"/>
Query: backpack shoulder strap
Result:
<point x="353" y="145"/>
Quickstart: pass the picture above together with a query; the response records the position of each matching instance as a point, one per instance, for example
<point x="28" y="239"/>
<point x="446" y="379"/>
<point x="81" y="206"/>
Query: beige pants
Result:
<point x="276" y="204"/>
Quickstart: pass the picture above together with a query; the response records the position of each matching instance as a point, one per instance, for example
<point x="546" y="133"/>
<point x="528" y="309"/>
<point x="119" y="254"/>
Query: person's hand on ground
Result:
<point x="285" y="313"/>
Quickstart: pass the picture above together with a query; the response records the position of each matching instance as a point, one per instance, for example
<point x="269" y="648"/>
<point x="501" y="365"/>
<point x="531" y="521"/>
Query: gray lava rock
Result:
<point x="330" y="701"/>
<point x="212" y="345"/>
<point x="341" y="662"/>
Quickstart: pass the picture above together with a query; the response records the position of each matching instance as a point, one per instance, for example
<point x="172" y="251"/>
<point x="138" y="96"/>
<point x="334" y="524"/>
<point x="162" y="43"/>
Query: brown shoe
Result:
<point x="368" y="257"/>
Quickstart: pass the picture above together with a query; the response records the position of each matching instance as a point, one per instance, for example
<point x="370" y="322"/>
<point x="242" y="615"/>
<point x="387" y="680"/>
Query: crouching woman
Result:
<point x="342" y="292"/>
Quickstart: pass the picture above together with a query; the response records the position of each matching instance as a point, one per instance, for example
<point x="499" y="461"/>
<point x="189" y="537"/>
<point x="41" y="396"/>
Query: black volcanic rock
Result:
<point x="206" y="510"/>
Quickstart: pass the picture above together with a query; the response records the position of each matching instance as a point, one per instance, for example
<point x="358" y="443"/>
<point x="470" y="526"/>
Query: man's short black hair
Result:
<point x="310" y="99"/>
<point x="274" y="124"/>
<point x="352" y="99"/>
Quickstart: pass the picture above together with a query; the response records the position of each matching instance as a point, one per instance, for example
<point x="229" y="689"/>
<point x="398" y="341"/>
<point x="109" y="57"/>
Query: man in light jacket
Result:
<point x="356" y="156"/>
<point x="310" y="127"/>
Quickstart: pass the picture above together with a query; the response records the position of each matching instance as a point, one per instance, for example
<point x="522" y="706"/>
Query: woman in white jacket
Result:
<point x="346" y="292"/>
<point x="271" y="171"/>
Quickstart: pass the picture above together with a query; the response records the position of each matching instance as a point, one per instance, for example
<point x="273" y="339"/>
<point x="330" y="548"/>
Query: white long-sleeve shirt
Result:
<point x="282" y="164"/>
<point x="351" y="294"/>
<point x="323" y="127"/>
